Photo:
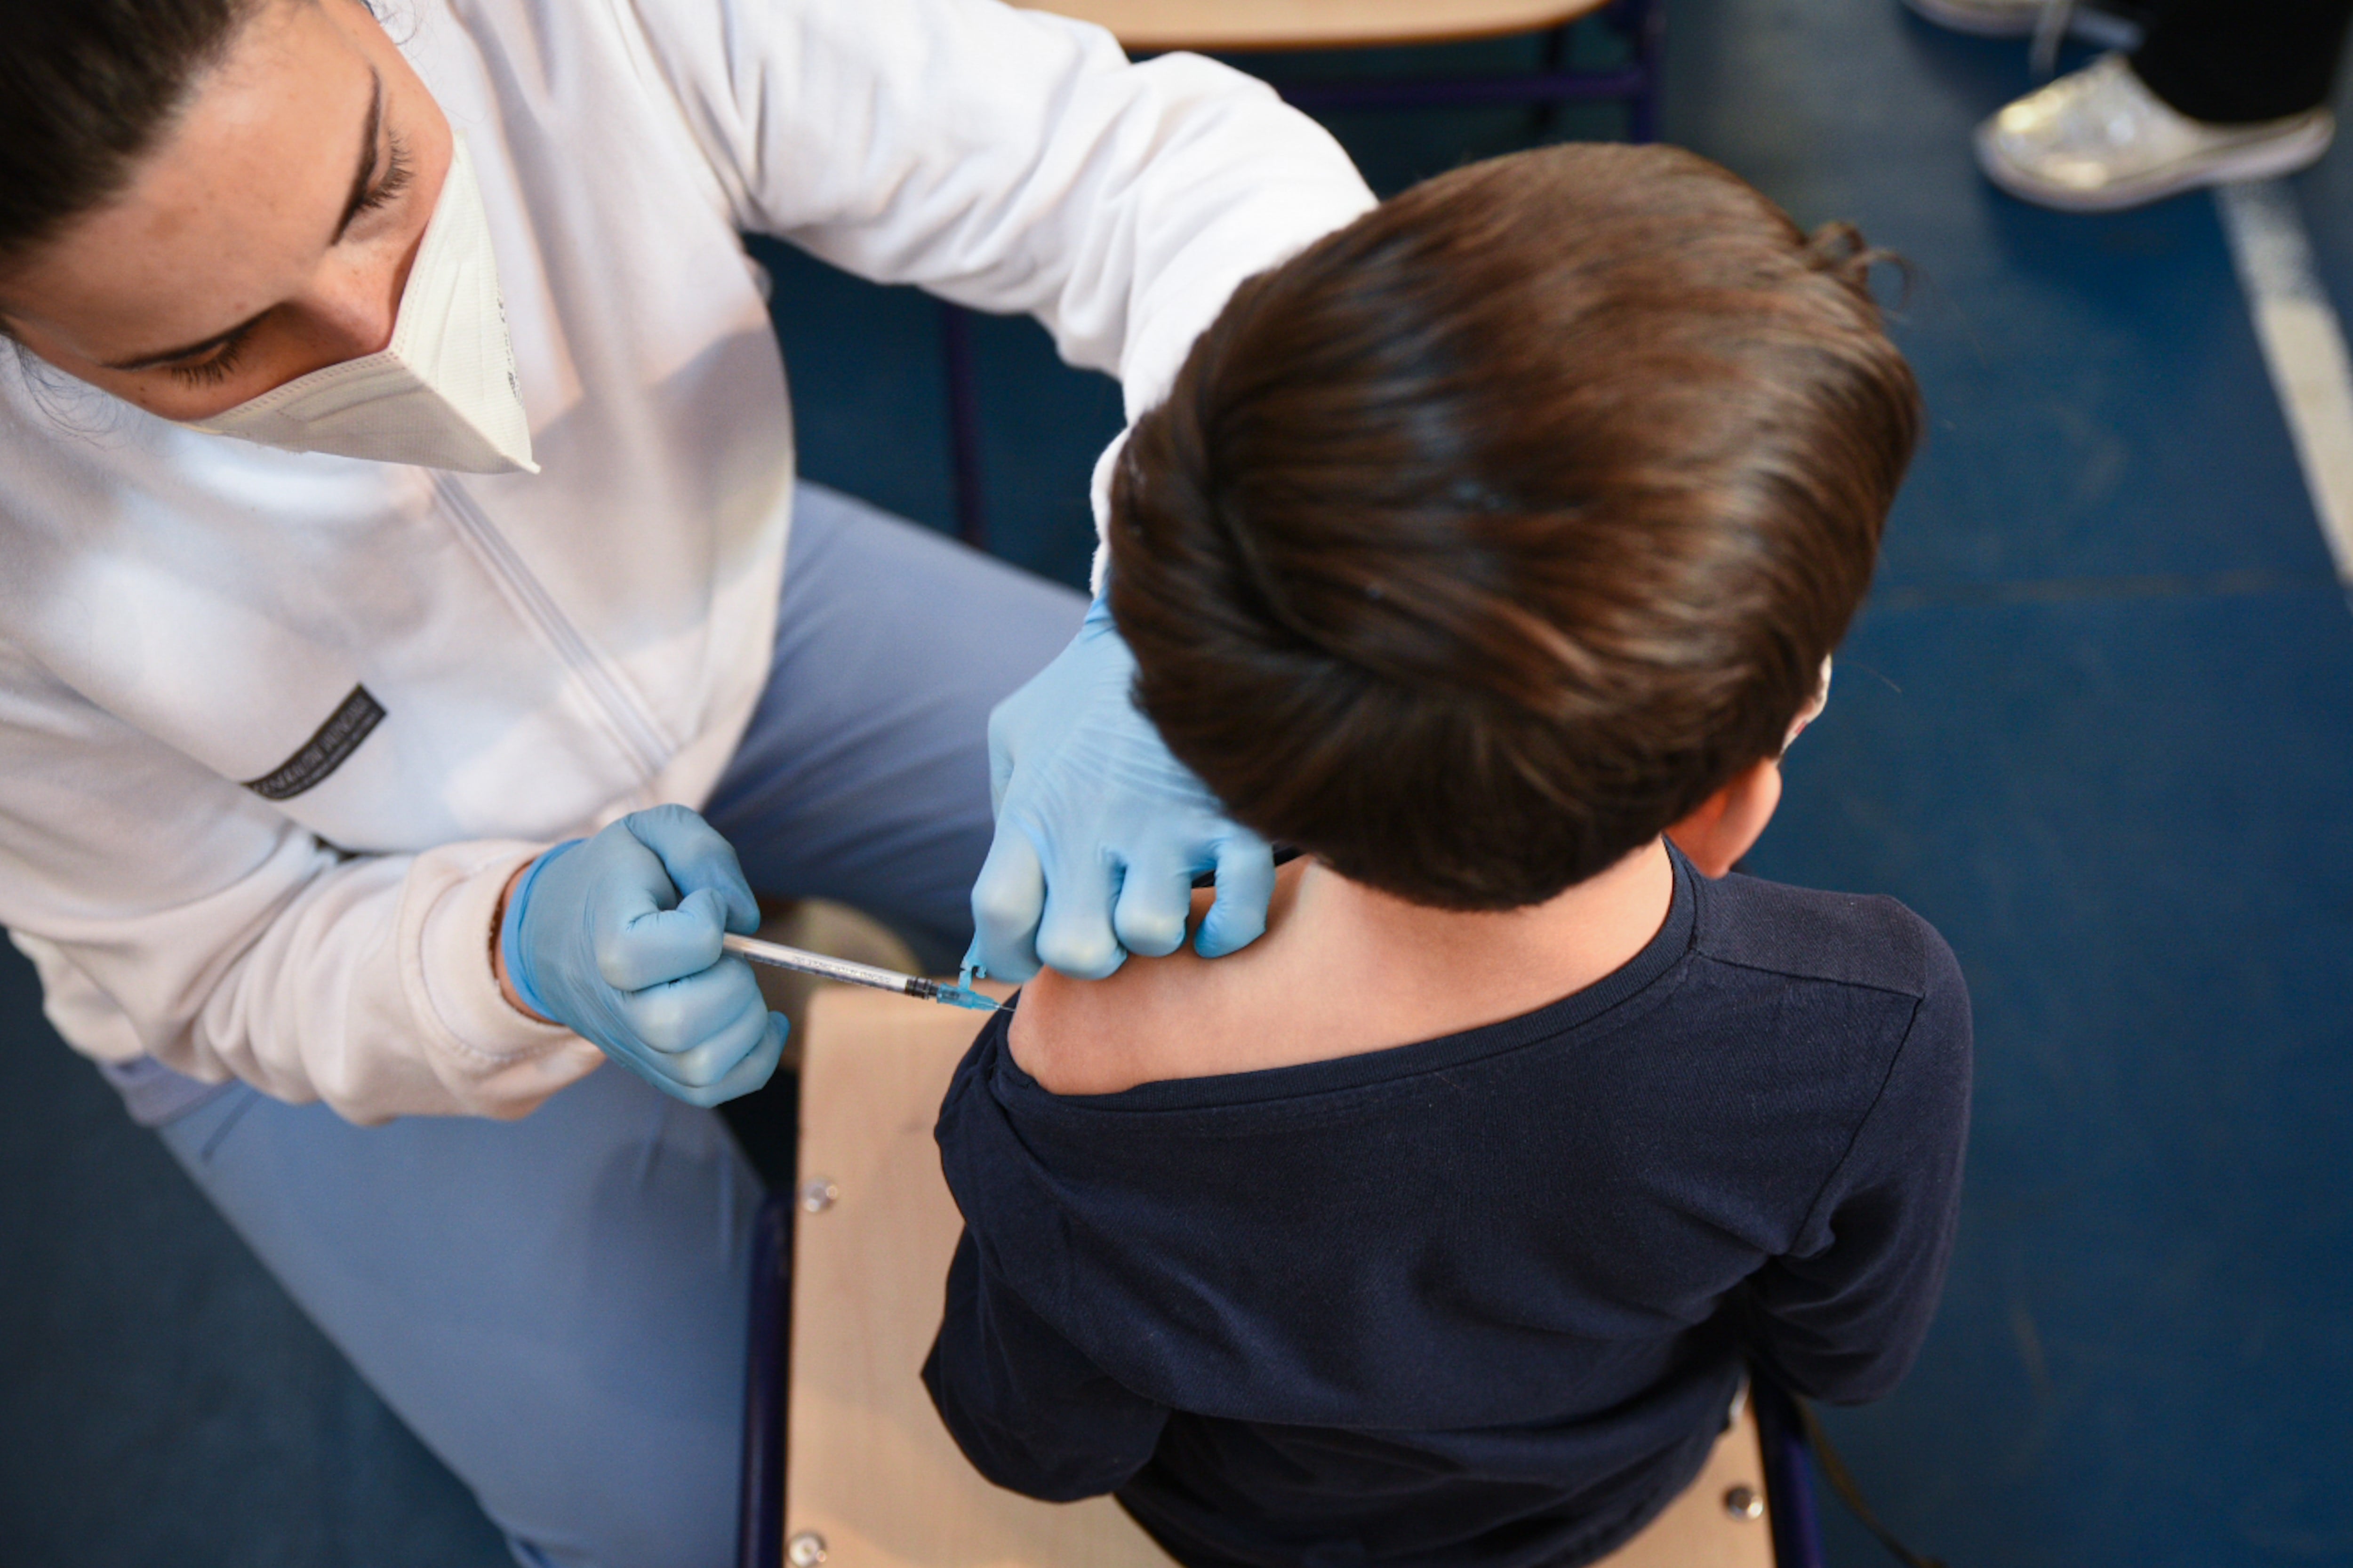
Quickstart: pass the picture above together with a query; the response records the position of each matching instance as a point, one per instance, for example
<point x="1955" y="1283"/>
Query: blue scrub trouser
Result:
<point x="556" y="1306"/>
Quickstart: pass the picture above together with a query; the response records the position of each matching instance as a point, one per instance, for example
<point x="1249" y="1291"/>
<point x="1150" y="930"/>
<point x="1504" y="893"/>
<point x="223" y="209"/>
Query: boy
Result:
<point x="1477" y="547"/>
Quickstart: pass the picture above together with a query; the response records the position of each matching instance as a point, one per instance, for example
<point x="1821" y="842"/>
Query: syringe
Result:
<point x="777" y="955"/>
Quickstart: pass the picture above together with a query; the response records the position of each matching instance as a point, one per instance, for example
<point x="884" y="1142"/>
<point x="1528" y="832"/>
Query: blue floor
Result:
<point x="2096" y="724"/>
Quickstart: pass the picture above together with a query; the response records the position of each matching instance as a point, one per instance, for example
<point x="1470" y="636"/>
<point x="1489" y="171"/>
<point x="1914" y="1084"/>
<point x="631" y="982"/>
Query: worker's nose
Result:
<point x="351" y="307"/>
<point x="352" y="314"/>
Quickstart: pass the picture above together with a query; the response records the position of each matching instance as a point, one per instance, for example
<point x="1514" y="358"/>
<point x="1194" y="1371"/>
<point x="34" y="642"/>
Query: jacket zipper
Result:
<point x="625" y="713"/>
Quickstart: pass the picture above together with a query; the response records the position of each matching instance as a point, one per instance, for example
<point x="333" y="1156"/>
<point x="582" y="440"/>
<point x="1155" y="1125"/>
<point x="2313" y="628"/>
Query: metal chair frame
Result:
<point x="768" y="1373"/>
<point x="1788" y="1477"/>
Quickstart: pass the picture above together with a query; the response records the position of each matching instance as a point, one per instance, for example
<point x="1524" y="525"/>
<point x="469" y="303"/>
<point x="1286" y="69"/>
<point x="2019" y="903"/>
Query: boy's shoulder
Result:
<point x="1806" y="933"/>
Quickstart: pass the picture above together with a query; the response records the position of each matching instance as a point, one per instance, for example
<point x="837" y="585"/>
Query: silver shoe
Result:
<point x="2098" y="140"/>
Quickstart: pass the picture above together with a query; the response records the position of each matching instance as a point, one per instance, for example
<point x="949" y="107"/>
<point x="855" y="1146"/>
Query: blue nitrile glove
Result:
<point x="1100" y="832"/>
<point x="598" y="937"/>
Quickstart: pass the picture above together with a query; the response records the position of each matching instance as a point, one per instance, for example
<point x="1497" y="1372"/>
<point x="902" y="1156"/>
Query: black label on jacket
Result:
<point x="323" y="752"/>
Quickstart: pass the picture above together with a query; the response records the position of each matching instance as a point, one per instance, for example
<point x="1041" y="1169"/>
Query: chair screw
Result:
<point x="1740" y="1503"/>
<point x="807" y="1550"/>
<point x="817" y="1194"/>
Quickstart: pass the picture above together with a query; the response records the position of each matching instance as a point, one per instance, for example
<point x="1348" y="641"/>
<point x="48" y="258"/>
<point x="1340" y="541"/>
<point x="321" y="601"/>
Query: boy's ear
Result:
<point x="1729" y="822"/>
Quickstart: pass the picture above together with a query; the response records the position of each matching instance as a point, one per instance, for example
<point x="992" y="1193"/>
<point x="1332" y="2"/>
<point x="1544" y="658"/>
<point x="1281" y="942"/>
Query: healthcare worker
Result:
<point x="409" y="617"/>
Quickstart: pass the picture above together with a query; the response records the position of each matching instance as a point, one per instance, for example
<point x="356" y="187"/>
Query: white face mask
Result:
<point x="443" y="395"/>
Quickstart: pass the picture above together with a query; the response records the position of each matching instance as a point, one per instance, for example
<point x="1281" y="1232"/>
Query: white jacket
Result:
<point x="181" y="611"/>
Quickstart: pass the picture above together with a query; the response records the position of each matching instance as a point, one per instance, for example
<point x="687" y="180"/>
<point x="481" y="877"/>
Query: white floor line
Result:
<point x="2303" y="347"/>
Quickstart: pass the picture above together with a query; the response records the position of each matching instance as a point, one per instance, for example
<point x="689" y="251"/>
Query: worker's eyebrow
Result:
<point x="364" y="177"/>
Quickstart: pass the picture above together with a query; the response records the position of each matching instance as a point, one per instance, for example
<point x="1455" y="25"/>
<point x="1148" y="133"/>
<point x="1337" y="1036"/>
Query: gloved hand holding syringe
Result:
<point x="622" y="938"/>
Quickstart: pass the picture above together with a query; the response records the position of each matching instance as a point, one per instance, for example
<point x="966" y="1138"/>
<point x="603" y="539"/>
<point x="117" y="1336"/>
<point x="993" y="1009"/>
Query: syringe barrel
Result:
<point x="803" y="962"/>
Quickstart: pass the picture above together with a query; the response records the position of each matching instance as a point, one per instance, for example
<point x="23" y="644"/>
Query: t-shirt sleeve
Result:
<point x="1029" y="1410"/>
<point x="1843" y="1321"/>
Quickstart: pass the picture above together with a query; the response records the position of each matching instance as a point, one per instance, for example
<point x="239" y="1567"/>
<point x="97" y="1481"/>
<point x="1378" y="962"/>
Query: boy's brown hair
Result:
<point x="1494" y="532"/>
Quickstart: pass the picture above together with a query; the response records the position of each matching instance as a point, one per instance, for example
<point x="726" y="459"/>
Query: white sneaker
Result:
<point x="2098" y="140"/>
<point x="2020" y="18"/>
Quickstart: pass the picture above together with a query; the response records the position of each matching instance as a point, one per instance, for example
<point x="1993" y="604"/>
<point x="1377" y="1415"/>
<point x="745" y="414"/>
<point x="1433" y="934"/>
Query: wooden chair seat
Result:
<point x="1245" y="24"/>
<point x="873" y="1479"/>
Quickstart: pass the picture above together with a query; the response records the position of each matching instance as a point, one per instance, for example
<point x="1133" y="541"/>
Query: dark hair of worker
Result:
<point x="85" y="90"/>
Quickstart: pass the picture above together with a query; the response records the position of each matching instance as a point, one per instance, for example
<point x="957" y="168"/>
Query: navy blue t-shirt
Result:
<point x="1481" y="1301"/>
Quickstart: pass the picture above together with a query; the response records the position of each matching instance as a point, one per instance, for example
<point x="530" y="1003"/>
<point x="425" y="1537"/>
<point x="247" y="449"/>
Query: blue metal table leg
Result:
<point x="1555" y="63"/>
<point x="964" y="425"/>
<point x="1645" y="25"/>
<point x="1635" y="83"/>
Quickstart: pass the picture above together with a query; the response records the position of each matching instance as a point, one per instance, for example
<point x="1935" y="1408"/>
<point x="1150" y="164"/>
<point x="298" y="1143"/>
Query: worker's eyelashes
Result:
<point x="214" y="368"/>
<point x="399" y="173"/>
